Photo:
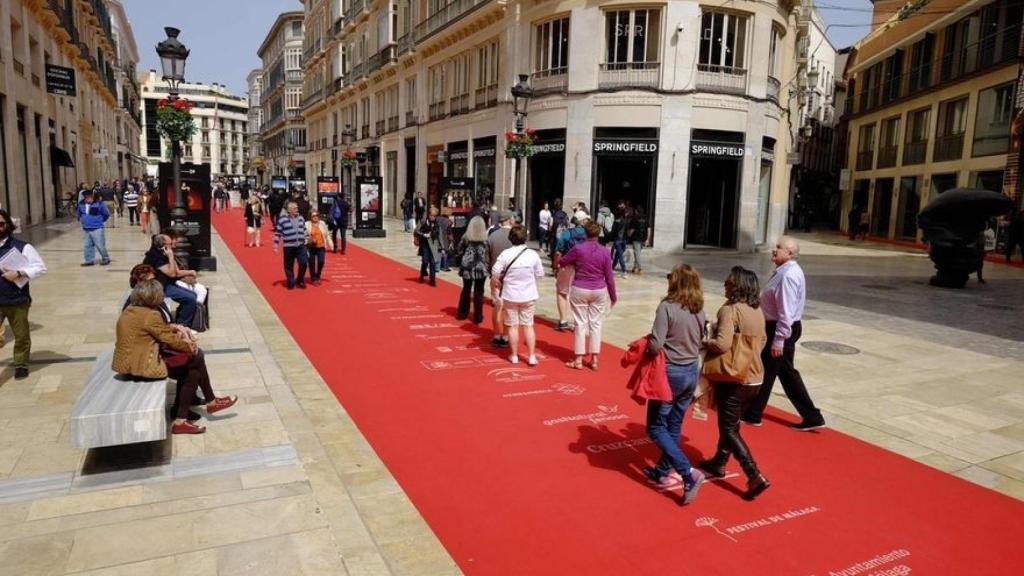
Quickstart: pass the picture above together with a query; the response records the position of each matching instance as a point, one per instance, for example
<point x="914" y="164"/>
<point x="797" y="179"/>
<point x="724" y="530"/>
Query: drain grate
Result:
<point x="830" y="347"/>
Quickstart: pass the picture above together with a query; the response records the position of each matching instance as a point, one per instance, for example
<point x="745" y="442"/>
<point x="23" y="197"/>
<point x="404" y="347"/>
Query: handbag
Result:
<point x="733" y="365"/>
<point x="173" y="358"/>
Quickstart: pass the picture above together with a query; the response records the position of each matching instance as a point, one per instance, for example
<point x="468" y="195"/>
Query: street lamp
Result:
<point x="522" y="93"/>
<point x="172" y="59"/>
<point x="347" y="137"/>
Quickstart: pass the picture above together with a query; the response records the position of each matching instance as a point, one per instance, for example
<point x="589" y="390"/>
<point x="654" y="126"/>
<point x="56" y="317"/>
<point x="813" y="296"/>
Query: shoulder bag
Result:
<point x="507" y="268"/>
<point x="733" y="365"/>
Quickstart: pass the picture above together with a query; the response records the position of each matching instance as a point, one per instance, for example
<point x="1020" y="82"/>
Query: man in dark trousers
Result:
<point x="15" y="298"/>
<point x="339" y="215"/>
<point x="1015" y="237"/>
<point x="407" y="223"/>
<point x="419" y="205"/>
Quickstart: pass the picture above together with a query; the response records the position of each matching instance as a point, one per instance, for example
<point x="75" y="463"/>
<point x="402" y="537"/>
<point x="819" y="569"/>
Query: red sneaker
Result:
<point x="219" y="404"/>
<point x="187" y="427"/>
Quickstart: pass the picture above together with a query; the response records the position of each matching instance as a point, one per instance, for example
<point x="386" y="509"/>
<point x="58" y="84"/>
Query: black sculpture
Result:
<point x="952" y="224"/>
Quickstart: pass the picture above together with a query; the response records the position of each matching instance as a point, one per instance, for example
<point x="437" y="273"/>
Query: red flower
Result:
<point x="161" y="103"/>
<point x="531" y="131"/>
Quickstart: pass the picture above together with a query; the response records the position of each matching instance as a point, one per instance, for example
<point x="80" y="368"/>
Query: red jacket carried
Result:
<point x="649" y="380"/>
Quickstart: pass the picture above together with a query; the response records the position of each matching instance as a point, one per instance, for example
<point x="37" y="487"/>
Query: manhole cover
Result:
<point x="830" y="347"/>
<point x="998" y="306"/>
<point x="879" y="287"/>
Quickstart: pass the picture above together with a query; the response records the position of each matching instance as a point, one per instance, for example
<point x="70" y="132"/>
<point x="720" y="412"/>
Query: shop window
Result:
<point x="632" y="36"/>
<point x="992" y="124"/>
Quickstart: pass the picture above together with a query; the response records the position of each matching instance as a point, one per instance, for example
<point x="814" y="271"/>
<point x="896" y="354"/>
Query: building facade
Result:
<point x="129" y="111"/>
<point x="49" y="142"/>
<point x="932" y="99"/>
<point x="221" y="120"/>
<point x="283" y="133"/>
<point x="675" y="107"/>
<point x="257" y="164"/>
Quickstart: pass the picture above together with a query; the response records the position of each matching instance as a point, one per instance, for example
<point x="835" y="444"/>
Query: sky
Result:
<point x="224" y="35"/>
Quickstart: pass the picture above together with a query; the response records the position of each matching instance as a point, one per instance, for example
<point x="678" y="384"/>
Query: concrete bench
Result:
<point x="113" y="410"/>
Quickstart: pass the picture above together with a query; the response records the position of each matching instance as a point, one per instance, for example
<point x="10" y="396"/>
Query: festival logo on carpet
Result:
<point x="515" y="375"/>
<point x="709" y="522"/>
<point x="603" y="414"/>
<point x="564" y="389"/>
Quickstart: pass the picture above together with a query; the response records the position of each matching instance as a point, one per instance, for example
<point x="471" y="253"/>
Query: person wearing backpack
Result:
<point x="636" y="235"/>
<point x="574" y="234"/>
<point x="617" y="237"/>
<point x="339" y="216"/>
<point x="559" y="222"/>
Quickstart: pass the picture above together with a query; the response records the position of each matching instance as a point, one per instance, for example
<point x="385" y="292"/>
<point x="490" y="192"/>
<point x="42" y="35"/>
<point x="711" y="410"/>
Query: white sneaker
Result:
<point x="532" y="361"/>
<point x="513" y="359"/>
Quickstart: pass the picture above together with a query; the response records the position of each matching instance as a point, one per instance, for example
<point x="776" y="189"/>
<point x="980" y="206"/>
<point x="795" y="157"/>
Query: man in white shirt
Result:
<point x="19" y="263"/>
<point x="782" y="301"/>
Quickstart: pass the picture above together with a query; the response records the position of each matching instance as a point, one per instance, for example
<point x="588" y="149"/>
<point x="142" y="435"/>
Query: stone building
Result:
<point x="52" y="139"/>
<point x="676" y="107"/>
<point x="257" y="163"/>
<point x="283" y="134"/>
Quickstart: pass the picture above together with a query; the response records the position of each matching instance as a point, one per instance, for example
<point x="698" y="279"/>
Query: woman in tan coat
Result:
<point x="741" y="314"/>
<point x="149" y="347"/>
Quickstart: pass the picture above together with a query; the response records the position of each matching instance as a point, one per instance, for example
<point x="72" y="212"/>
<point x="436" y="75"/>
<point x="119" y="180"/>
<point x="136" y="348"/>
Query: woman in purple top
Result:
<point x="592" y="294"/>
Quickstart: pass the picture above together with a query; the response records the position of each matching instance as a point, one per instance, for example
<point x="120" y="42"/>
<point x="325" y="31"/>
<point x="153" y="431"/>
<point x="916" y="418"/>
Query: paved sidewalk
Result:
<point x="934" y="375"/>
<point x="283" y="484"/>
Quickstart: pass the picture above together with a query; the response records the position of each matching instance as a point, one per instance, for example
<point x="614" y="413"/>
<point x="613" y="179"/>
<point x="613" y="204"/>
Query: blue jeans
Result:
<point x="427" y="264"/>
<point x="291" y="255"/>
<point x="316" y="262"/>
<point x="665" y="419"/>
<point x="186" y="300"/>
<point x="619" y="255"/>
<point x="95" y="239"/>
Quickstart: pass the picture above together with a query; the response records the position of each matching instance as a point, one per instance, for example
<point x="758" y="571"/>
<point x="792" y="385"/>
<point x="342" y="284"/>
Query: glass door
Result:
<point x="764" y="191"/>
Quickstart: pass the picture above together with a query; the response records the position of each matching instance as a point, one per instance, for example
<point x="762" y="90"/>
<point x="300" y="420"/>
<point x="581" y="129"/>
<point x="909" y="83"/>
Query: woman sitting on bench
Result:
<point x="148" y="347"/>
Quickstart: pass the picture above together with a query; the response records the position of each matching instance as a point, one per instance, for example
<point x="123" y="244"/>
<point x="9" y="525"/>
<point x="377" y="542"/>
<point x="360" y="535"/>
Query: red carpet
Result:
<point x="526" y="471"/>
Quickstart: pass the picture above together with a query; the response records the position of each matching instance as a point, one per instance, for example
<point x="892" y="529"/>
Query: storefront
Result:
<point x="625" y="168"/>
<point x="458" y="159"/>
<point x="764" y="189"/>
<point x="484" y="168"/>
<point x="546" y="180"/>
<point x="716" y="165"/>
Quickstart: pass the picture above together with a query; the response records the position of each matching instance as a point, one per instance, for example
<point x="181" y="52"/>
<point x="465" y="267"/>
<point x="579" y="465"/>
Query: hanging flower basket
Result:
<point x="349" y="159"/>
<point x="520" y="145"/>
<point x="174" y="119"/>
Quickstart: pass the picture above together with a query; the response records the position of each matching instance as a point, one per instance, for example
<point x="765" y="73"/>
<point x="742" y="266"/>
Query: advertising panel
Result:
<point x="195" y="185"/>
<point x="369" y="208"/>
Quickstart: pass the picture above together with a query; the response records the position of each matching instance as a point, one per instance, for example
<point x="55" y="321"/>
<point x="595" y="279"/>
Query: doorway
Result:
<point x="909" y="206"/>
<point x="546" y="182"/>
<point x="625" y="179"/>
<point x="712" y="202"/>
<point x="410" y="167"/>
<point x="881" y="210"/>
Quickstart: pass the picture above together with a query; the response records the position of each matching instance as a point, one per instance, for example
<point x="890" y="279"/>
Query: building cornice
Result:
<point x="279" y="23"/>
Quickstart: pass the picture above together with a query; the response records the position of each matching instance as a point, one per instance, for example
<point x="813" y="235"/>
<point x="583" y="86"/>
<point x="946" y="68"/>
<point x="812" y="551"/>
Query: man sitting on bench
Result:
<point x="179" y="283"/>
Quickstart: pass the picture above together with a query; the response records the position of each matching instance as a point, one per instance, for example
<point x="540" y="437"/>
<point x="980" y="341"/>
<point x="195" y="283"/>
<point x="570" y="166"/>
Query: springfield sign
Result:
<point x="717" y="150"/>
<point x="625" y="147"/>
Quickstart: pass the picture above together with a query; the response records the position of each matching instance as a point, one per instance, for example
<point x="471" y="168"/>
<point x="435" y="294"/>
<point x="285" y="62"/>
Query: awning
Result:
<point x="59" y="157"/>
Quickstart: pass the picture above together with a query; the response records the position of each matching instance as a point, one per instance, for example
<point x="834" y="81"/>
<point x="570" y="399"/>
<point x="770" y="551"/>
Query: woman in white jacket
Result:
<point x="318" y="244"/>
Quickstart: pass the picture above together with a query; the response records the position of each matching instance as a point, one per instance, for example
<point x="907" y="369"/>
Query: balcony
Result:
<point x="773" y="89"/>
<point x="722" y="79"/>
<point x="459" y="104"/>
<point x="629" y="75"/>
<point x="405" y="44"/>
<point x="486" y="97"/>
<point x="887" y="156"/>
<point x="338" y="25"/>
<point x="438" y="110"/>
<point x="354" y="10"/>
<point x="313" y="98"/>
<point x="382" y="58"/>
<point x="555" y="80"/>
<point x="379" y="127"/>
<point x="365" y="131"/>
<point x="19" y="68"/>
<point x="359" y="71"/>
<point x="446" y="15"/>
<point x="410" y="118"/>
<point x="915" y="152"/>
<point x="392" y="123"/>
<point x="865" y="159"/>
<point x="949" y="147"/>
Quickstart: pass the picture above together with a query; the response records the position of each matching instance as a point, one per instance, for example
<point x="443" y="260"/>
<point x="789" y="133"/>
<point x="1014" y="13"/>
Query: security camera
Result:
<point x="679" y="28"/>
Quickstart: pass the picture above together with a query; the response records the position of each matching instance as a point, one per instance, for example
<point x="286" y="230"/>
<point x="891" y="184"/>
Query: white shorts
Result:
<point x="518" y="313"/>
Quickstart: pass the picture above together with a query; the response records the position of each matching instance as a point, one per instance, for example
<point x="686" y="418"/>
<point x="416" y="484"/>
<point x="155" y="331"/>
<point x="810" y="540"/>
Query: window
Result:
<point x="723" y="41"/>
<point x="773" y="55"/>
<point x="953" y="117"/>
<point x="992" y="125"/>
<point x="632" y="36"/>
<point x="551" y="47"/>
<point x="297" y="28"/>
<point x="866" y="147"/>
<point x="915" y="145"/>
<point x="893" y="76"/>
<point x="889" y="142"/>
<point x="487" y="65"/>
<point x="293" y="59"/>
<point x="293" y="97"/>
<point x="410" y="94"/>
<point x="460" y="75"/>
<point x="437" y="84"/>
<point x="921" y="54"/>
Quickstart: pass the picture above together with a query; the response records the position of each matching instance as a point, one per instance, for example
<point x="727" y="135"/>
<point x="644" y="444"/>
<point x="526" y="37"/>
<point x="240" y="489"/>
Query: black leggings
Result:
<point x="730" y="399"/>
<point x="190" y="376"/>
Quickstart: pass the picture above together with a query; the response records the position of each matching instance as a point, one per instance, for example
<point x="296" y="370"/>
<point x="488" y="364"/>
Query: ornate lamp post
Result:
<point x="522" y="93"/>
<point x="347" y="137"/>
<point x="172" y="60"/>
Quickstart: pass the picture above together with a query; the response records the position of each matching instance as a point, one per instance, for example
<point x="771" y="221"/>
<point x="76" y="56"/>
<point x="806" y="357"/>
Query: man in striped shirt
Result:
<point x="130" y="200"/>
<point x="291" y="234"/>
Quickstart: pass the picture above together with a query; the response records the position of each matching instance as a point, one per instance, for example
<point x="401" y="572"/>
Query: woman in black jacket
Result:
<point x="472" y="262"/>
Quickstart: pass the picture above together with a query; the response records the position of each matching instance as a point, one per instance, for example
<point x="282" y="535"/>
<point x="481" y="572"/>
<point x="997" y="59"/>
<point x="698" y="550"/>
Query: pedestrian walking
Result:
<point x="93" y="215"/>
<point x="108" y="196"/>
<point x="130" y="200"/>
<point x="1015" y="237"/>
<point x="444" y="240"/>
<point x="429" y="247"/>
<point x="737" y="338"/>
<point x="318" y="243"/>
<point x="471" y="258"/>
<point x="986" y="245"/>
<point x="782" y="302"/>
<point x="618" y="241"/>
<point x="544" y="222"/>
<point x="514" y="277"/>
<point x="497" y="242"/>
<point x="407" y="222"/>
<point x="253" y="220"/>
<point x="339" y="215"/>
<point x="569" y="236"/>
<point x="592" y="294"/>
<point x="853" y="221"/>
<point x="145" y="201"/>
<point x="419" y="206"/>
<point x="637" y="235"/>
<point x="20" y="263"/>
<point x="606" y="220"/>
<point x="678" y="332"/>
<point x="290" y="234"/>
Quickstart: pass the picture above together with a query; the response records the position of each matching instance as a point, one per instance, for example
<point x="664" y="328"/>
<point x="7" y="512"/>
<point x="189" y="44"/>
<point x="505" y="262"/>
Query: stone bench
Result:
<point x="113" y="410"/>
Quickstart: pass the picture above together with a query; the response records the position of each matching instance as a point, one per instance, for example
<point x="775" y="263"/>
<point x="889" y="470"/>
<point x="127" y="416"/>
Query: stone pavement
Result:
<point x="285" y="484"/>
<point x="934" y="375"/>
